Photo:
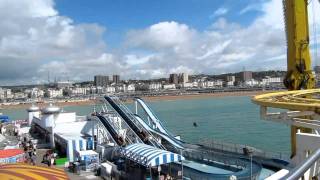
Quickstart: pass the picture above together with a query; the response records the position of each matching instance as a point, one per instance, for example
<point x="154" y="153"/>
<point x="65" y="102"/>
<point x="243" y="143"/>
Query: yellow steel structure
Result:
<point x="299" y="100"/>
<point x="299" y="72"/>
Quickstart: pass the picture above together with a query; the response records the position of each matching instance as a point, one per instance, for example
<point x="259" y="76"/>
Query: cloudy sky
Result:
<point x="140" y="39"/>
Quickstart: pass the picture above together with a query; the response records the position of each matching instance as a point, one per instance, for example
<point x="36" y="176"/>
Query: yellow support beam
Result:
<point x="300" y="100"/>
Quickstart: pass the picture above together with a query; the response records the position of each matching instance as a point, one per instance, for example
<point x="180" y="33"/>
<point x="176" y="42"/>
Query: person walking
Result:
<point x="33" y="159"/>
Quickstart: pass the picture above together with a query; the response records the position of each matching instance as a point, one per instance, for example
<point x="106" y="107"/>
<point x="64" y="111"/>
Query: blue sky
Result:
<point x="122" y="15"/>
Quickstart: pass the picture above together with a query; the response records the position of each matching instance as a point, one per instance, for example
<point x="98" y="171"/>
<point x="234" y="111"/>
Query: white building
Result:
<point x="34" y="93"/>
<point x="211" y="84"/>
<point x="110" y="89"/>
<point x="203" y="84"/>
<point x="130" y="88"/>
<point x="271" y="80"/>
<point x="5" y="93"/>
<point x="155" y="86"/>
<point x="230" y="83"/>
<point x="2" y="94"/>
<point x="195" y="84"/>
<point x="183" y="78"/>
<point x="78" y="91"/>
<point x="252" y="82"/>
<point x="8" y="94"/>
<point x="52" y="93"/>
<point x="20" y="95"/>
<point x="63" y="128"/>
<point x="100" y="90"/>
<point x="169" y="86"/>
<point x="92" y="90"/>
<point x="231" y="78"/>
<point x="187" y="85"/>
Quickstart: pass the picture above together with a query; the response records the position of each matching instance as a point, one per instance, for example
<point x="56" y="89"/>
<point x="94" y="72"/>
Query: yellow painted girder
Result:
<point x="300" y="100"/>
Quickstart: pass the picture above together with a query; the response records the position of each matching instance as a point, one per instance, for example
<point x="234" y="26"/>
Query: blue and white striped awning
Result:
<point x="148" y="155"/>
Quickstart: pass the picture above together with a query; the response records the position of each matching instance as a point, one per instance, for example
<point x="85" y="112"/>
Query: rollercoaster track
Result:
<point x="110" y="129"/>
<point x="300" y="100"/>
<point x="130" y="120"/>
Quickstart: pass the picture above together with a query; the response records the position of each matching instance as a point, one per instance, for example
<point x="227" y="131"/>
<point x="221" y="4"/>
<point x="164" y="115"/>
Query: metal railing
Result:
<point x="238" y="149"/>
<point x="103" y="132"/>
<point x="130" y="115"/>
<point x="131" y="136"/>
<point x="241" y="167"/>
<point x="303" y="167"/>
<point x="116" y="127"/>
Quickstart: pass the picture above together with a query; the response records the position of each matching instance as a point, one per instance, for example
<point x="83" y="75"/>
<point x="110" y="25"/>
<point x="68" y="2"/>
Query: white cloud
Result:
<point x="34" y="39"/>
<point x="27" y="8"/>
<point x="251" y="7"/>
<point x="219" y="12"/>
<point x="225" y="46"/>
<point x="38" y="40"/>
<point x="161" y="35"/>
<point x="133" y="59"/>
<point x="272" y="14"/>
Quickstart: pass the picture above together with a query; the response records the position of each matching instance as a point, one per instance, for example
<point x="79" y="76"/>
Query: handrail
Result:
<point x="135" y="122"/>
<point x="299" y="170"/>
<point x="117" y="128"/>
<point x="132" y="118"/>
<point x="102" y="124"/>
<point x="127" y="126"/>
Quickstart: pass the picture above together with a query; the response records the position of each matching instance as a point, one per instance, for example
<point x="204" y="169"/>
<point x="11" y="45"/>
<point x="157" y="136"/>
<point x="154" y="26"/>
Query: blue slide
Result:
<point x="153" y="117"/>
<point x="172" y="141"/>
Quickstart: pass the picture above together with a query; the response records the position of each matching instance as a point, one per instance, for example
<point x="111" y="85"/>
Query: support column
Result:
<point x="136" y="105"/>
<point x="52" y="138"/>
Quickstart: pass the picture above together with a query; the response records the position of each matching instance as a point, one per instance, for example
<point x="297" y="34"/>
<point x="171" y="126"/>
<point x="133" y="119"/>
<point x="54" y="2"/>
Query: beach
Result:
<point x="147" y="98"/>
<point x="205" y="95"/>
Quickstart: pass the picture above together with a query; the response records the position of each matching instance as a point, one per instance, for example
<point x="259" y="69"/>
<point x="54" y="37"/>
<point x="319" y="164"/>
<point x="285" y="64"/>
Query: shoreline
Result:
<point x="204" y="95"/>
<point x="147" y="98"/>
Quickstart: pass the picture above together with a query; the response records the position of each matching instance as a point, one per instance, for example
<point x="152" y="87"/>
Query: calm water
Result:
<point x="231" y="119"/>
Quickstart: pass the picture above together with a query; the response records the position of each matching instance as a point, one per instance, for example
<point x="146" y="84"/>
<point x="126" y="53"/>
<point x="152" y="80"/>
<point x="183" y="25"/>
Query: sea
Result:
<point x="232" y="119"/>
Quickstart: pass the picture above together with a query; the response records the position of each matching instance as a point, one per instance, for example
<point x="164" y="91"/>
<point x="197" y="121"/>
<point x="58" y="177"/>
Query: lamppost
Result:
<point x="181" y="164"/>
<point x="250" y="153"/>
<point x="159" y="171"/>
<point x="251" y="165"/>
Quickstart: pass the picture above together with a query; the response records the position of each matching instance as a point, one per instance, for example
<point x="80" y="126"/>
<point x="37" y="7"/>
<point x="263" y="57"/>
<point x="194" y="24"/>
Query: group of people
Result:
<point x="29" y="150"/>
<point x="49" y="158"/>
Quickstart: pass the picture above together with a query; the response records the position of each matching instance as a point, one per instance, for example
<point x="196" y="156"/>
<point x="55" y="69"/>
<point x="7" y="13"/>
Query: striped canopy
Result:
<point x="149" y="156"/>
<point x="29" y="172"/>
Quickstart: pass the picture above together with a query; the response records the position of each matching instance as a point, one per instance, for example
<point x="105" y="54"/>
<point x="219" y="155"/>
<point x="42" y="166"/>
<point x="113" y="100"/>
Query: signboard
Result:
<point x="91" y="161"/>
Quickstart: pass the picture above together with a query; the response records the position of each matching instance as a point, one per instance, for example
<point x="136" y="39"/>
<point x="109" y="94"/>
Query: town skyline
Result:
<point x="174" y="84"/>
<point x="110" y="75"/>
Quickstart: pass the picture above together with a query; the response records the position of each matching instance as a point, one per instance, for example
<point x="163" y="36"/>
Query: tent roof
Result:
<point x="148" y="155"/>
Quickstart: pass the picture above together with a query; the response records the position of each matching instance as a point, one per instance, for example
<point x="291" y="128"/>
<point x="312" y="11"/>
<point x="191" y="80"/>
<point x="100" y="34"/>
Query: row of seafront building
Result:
<point x="101" y="85"/>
